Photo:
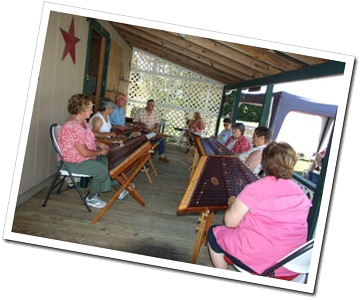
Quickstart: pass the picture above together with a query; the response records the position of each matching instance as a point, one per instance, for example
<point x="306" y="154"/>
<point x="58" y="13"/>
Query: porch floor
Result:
<point x="154" y="230"/>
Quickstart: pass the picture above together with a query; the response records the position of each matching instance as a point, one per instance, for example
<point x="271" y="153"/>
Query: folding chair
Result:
<point x="63" y="170"/>
<point x="190" y="152"/>
<point x="297" y="261"/>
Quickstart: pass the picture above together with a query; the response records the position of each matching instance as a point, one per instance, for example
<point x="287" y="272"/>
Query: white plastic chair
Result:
<point x="63" y="170"/>
<point x="297" y="261"/>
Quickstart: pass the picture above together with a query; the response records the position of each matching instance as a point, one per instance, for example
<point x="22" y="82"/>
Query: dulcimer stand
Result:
<point x="218" y="175"/>
<point x="125" y="162"/>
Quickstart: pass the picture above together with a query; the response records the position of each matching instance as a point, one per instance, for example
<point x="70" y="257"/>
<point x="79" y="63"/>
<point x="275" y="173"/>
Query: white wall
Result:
<point x="57" y="81"/>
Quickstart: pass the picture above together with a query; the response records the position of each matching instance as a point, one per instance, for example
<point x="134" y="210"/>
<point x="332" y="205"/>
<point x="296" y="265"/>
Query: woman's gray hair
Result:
<point x="106" y="103"/>
<point x="239" y="126"/>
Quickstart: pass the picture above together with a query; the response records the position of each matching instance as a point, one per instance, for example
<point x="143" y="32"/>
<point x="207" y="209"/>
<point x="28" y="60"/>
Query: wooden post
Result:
<point x="205" y="223"/>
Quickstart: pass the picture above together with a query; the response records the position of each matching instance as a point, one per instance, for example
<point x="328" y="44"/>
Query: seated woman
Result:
<point x="80" y="150"/>
<point x="100" y="121"/>
<point x="267" y="220"/>
<point x="252" y="158"/>
<point x="238" y="143"/>
<point x="196" y="125"/>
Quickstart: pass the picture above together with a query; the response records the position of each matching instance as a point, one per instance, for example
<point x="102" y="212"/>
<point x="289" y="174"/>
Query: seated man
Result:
<point x="117" y="117"/>
<point x="238" y="143"/>
<point x="224" y="135"/>
<point x="252" y="158"/>
<point x="148" y="117"/>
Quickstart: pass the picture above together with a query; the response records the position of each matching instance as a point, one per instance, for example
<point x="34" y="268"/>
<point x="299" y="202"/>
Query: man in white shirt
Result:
<point x="148" y="117"/>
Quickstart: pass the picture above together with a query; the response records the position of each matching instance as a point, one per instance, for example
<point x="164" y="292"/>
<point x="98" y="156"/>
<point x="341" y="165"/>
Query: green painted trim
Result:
<point x="220" y="113"/>
<point x="311" y="72"/>
<point x="236" y="106"/>
<point x="316" y="202"/>
<point x="264" y="120"/>
<point x="95" y="25"/>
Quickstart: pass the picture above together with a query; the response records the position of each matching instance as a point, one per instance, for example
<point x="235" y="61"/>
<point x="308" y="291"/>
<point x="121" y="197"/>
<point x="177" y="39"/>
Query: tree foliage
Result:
<point x="246" y="112"/>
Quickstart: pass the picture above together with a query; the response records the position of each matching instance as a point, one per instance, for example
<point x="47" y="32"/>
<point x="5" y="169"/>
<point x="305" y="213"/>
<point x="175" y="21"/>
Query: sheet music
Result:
<point x="150" y="135"/>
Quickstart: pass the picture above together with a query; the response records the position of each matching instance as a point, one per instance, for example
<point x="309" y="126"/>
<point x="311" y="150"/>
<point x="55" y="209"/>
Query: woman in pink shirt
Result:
<point x="80" y="150"/>
<point x="267" y="220"/>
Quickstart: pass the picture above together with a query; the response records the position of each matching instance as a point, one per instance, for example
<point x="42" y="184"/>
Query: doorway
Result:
<point x="96" y="62"/>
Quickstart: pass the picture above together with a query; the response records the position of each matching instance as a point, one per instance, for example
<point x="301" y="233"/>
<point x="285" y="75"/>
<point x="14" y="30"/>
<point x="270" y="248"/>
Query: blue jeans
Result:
<point x="161" y="141"/>
<point x="161" y="146"/>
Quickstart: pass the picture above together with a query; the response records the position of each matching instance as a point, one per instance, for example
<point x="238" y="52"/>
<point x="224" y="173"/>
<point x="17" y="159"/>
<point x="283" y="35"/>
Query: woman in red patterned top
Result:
<point x="238" y="143"/>
<point x="80" y="150"/>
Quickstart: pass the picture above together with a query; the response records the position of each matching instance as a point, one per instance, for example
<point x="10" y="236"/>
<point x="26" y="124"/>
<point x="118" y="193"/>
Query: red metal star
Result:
<point x="70" y="41"/>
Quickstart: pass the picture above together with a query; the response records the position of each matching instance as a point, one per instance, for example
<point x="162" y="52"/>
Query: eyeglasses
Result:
<point x="226" y="124"/>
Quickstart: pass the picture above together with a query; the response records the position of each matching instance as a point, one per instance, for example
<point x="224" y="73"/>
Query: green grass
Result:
<point x="302" y="165"/>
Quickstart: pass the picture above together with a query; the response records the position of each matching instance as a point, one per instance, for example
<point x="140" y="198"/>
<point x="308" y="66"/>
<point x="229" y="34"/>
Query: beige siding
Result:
<point x="57" y="81"/>
<point x="118" y="49"/>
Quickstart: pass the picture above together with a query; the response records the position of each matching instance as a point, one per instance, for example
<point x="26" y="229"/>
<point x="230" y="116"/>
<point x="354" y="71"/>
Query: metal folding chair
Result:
<point x="63" y="170"/>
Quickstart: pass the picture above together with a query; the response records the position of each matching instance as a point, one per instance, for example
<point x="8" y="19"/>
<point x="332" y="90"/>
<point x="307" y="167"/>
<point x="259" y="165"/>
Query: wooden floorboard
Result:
<point x="154" y="230"/>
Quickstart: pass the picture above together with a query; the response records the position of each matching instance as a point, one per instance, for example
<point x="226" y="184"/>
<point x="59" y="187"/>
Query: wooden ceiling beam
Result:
<point x="170" y="40"/>
<point x="234" y="55"/>
<point x="228" y="63"/>
<point x="184" y="54"/>
<point x="178" y="59"/>
<point x="265" y="55"/>
<point x="309" y="60"/>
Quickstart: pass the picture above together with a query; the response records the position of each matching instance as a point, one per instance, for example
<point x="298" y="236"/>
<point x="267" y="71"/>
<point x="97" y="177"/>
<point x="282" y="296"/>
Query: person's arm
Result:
<point x="242" y="145"/>
<point x="86" y="152"/>
<point x="191" y="124"/>
<point x="117" y="127"/>
<point x="228" y="141"/>
<point x="235" y="212"/>
<point x="254" y="159"/>
<point x="115" y="121"/>
<point x="137" y="119"/>
<point x="96" y="125"/>
<point x="201" y="124"/>
<point x="156" y="126"/>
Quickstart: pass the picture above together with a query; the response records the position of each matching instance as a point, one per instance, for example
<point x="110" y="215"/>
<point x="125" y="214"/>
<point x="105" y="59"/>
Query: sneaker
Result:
<point x="123" y="194"/>
<point x="95" y="202"/>
<point x="147" y="169"/>
<point x="164" y="159"/>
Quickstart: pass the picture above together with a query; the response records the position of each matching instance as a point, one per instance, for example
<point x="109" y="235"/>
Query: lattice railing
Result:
<point x="307" y="186"/>
<point x="178" y="92"/>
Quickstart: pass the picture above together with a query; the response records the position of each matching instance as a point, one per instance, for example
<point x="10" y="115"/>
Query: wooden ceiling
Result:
<point x="224" y="62"/>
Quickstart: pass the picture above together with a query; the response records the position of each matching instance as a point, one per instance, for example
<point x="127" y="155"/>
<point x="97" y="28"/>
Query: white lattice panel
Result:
<point x="178" y="92"/>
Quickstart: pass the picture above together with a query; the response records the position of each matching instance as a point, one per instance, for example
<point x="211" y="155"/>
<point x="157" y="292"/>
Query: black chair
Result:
<point x="63" y="170"/>
<point x="297" y="261"/>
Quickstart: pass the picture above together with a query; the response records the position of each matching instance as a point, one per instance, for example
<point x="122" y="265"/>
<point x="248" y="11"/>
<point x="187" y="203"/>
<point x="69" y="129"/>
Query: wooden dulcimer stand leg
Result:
<point x="125" y="181"/>
<point x="206" y="220"/>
